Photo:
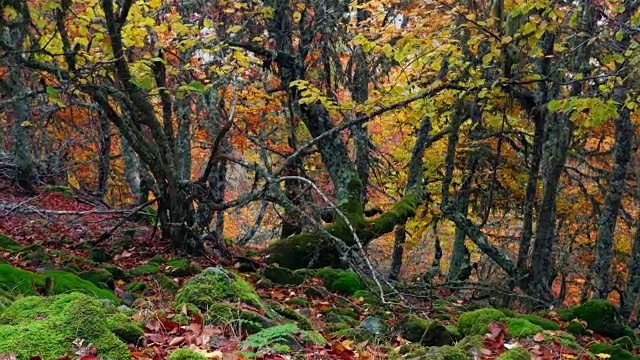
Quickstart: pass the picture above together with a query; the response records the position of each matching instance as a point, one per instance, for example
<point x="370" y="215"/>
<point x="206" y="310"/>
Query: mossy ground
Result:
<point x="18" y="281"/>
<point x="602" y="317"/>
<point x="476" y="322"/>
<point x="46" y="327"/>
<point x="517" y="353"/>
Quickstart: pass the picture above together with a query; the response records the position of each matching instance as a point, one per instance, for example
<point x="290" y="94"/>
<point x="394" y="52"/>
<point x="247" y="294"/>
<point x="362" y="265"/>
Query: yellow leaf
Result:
<point x="568" y="356"/>
<point x="297" y="16"/>
<point x="26" y="123"/>
<point x="603" y="356"/>
<point x="347" y="344"/>
<point x="154" y="4"/>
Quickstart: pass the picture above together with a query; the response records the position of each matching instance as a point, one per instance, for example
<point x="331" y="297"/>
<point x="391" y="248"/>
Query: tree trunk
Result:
<point x="103" y="156"/>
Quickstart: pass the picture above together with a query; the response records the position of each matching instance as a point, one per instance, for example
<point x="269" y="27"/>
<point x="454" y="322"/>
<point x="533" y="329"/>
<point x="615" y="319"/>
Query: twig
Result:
<point x="107" y="234"/>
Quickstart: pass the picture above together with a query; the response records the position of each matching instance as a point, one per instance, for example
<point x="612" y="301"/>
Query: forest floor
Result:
<point x="306" y="314"/>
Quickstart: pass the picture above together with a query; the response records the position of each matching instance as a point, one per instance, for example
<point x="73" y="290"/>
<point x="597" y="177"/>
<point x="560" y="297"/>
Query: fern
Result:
<point x="269" y="338"/>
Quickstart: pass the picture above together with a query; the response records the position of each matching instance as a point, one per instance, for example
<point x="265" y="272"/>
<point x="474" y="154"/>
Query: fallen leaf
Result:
<point x="539" y="337"/>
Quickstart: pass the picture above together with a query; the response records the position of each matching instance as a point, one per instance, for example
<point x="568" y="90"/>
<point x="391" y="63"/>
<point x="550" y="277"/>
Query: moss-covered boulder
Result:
<point x="125" y="329"/>
<point x="100" y="277"/>
<point x="477" y="322"/>
<point x="46" y="327"/>
<point x="186" y="354"/>
<point x="413" y="328"/>
<point x="243" y="320"/>
<point x="7" y="243"/>
<point x="546" y="324"/>
<point x="146" y="269"/>
<point x="616" y="352"/>
<point x="116" y="272"/>
<point x="602" y="317"/>
<point x="446" y="352"/>
<point x="166" y="282"/>
<point x="566" y="315"/>
<point x="518" y="353"/>
<point x="576" y="327"/>
<point x="521" y="328"/>
<point x="624" y="342"/>
<point x="366" y="297"/>
<point x="136" y="287"/>
<point x="180" y="267"/>
<point x="341" y="281"/>
<point x="18" y="281"/>
<point x="214" y="285"/>
<point x="282" y="276"/>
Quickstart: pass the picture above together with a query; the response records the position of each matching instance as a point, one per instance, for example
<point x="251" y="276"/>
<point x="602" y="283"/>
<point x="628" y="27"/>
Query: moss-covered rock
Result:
<point x="18" y="281"/>
<point x="602" y="317"/>
<point x="99" y="255"/>
<point x="100" y="277"/>
<point x="146" y="269"/>
<point x="476" y="322"/>
<point x="136" y="287"/>
<point x="576" y="327"/>
<point x="624" y="342"/>
<point x="125" y="329"/>
<point x="298" y="301"/>
<point x="283" y="276"/>
<point x="47" y="326"/>
<point x="616" y="352"/>
<point x="241" y="319"/>
<point x="518" y="353"/>
<point x="446" y="352"/>
<point x="521" y="328"/>
<point x="186" y="354"/>
<point x="157" y="259"/>
<point x="345" y="282"/>
<point x="179" y="267"/>
<point x="288" y="313"/>
<point x="366" y="297"/>
<point x="214" y="285"/>
<point x="166" y="283"/>
<point x="546" y="324"/>
<point x="413" y="328"/>
<point x="7" y="243"/>
<point x="566" y="315"/>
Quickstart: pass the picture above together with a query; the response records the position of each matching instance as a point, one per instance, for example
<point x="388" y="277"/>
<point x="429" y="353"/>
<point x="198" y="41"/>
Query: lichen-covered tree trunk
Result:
<point x="630" y="296"/>
<point x="624" y="137"/>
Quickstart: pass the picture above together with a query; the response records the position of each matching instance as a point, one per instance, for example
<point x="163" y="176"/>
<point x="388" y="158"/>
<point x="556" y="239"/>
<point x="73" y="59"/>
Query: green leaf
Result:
<point x="52" y="92"/>
<point x="554" y="105"/>
<point x="145" y="83"/>
<point x="196" y="86"/>
<point x="619" y="35"/>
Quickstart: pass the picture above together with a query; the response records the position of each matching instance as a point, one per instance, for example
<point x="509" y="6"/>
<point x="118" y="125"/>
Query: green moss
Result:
<point x="628" y="331"/>
<point x="367" y="297"/>
<point x="546" y="324"/>
<point x="179" y="267"/>
<point x="576" y="327"/>
<point x="566" y="315"/>
<point x="413" y="328"/>
<point x="345" y="282"/>
<point x="521" y="328"/>
<point x="166" y="282"/>
<point x="214" y="285"/>
<point x="454" y="332"/>
<point x="302" y="322"/>
<point x="337" y="327"/>
<point x="46" y="327"/>
<point x="146" y="269"/>
<point x="157" y="259"/>
<point x="186" y="354"/>
<point x="616" y="352"/>
<point x="7" y="243"/>
<point x="355" y="334"/>
<point x="445" y="353"/>
<point x="125" y="329"/>
<point x="313" y="337"/>
<point x="282" y="276"/>
<point x="240" y="319"/>
<point x="518" y="353"/>
<point x="476" y="322"/>
<point x="298" y="301"/>
<point x="602" y="317"/>
<point x="624" y="342"/>
<point x="18" y="281"/>
<point x="181" y="319"/>
<point x="100" y="277"/>
<point x="64" y="190"/>
<point x="136" y="287"/>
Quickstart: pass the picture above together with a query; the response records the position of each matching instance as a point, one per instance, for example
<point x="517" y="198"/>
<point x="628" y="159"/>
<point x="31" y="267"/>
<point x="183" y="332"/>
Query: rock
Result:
<point x="124" y="309"/>
<point x="373" y="325"/>
<point x="282" y="276"/>
<point x="146" y="269"/>
<point x="313" y="293"/>
<point x="186" y="354"/>
<point x="545" y="324"/>
<point x="418" y="330"/>
<point x="602" y="317"/>
<point x="518" y="353"/>
<point x="43" y="327"/>
<point x="125" y="329"/>
<point x="476" y="322"/>
<point x="100" y="276"/>
<point x="23" y="282"/>
<point x="128" y="299"/>
<point x="106" y="303"/>
<point x="341" y="281"/>
<point x="576" y="327"/>
<point x="521" y="328"/>
<point x="332" y="318"/>
<point x="616" y="352"/>
<point x="304" y="312"/>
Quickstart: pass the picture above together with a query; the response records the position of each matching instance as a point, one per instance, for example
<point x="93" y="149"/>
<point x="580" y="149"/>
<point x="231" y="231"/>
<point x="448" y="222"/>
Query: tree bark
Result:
<point x="104" y="156"/>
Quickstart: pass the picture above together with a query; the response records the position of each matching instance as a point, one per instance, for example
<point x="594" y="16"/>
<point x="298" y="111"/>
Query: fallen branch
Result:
<point x="107" y="234"/>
